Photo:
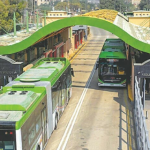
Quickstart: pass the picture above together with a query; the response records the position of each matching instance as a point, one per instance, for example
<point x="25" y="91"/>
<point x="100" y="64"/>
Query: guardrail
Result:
<point x="142" y="137"/>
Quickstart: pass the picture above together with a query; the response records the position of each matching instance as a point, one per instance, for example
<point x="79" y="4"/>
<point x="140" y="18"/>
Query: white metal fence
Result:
<point x="140" y="124"/>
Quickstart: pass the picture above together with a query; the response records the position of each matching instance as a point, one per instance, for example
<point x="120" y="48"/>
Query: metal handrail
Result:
<point x="142" y="137"/>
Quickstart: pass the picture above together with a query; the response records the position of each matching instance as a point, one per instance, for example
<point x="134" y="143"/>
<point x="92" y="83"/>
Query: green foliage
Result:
<point x="74" y="5"/>
<point x="61" y="6"/>
<point x="144" y="5"/>
<point x="118" y="5"/>
<point x="87" y="6"/>
<point x="131" y="7"/>
<point x="7" y="9"/>
<point x="107" y="4"/>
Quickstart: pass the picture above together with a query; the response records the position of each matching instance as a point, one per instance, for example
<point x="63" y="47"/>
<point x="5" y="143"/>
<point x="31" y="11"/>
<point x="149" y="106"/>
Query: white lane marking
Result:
<point x="75" y="114"/>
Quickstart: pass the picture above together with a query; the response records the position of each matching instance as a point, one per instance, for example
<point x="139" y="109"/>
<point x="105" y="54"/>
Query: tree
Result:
<point x="61" y="6"/>
<point x="107" y="4"/>
<point x="87" y="6"/>
<point x="144" y="4"/>
<point x="7" y="9"/>
<point x="118" y="5"/>
<point x="74" y="5"/>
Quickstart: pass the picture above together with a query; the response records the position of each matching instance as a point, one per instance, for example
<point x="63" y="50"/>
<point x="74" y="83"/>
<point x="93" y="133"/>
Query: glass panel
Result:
<point x="31" y="133"/>
<point x="59" y="100"/>
<point x="44" y="127"/>
<point x="55" y="97"/>
<point x="68" y="80"/>
<point x="112" y="67"/>
<point x="7" y="145"/>
<point x="64" y="94"/>
<point x="38" y="123"/>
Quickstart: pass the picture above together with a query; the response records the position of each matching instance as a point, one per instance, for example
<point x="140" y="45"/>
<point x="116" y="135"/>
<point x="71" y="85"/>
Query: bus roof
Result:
<point x="114" y="39"/>
<point x="10" y="115"/>
<point x="112" y="50"/>
<point x="47" y="69"/>
<point x="14" y="103"/>
<point x="117" y="55"/>
<point x="20" y="97"/>
<point x="114" y="43"/>
<point x="17" y="100"/>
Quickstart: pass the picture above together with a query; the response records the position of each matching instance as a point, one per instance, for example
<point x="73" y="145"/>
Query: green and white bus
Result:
<point x="32" y="104"/>
<point x="112" y="65"/>
<point x="114" y="44"/>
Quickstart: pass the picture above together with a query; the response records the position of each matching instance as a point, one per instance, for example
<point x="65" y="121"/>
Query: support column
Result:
<point x="37" y="21"/>
<point x="38" y="53"/>
<point x="45" y="18"/>
<point x="27" y="21"/>
<point x="14" y="24"/>
<point x="28" y="56"/>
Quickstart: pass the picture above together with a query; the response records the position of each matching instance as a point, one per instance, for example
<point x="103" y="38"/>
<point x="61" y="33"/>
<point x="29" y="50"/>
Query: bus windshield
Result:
<point x="112" y="67"/>
<point x="7" y="145"/>
<point x="7" y="136"/>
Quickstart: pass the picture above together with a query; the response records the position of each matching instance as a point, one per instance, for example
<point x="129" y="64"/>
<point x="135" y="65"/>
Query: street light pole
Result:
<point x="14" y="24"/>
<point x="85" y="5"/>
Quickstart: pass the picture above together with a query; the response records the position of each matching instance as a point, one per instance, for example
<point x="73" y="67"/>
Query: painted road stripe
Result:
<point x="75" y="114"/>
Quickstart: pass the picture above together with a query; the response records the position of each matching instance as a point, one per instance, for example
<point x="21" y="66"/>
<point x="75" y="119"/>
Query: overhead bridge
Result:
<point x="110" y="20"/>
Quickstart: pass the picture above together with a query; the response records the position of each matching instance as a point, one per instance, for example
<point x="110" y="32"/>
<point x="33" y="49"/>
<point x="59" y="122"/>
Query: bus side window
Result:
<point x="38" y="123"/>
<point x="31" y="133"/>
<point x="55" y="96"/>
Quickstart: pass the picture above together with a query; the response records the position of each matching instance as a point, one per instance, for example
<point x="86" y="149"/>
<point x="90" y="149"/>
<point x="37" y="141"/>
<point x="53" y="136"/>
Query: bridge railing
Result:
<point x="142" y="137"/>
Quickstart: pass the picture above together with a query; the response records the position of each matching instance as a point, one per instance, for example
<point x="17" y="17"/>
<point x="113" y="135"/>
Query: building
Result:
<point x="79" y="35"/>
<point x="55" y="15"/>
<point x="136" y="2"/>
<point x="50" y="2"/>
<point x="39" y="2"/>
<point x="61" y="43"/>
<point x="141" y="18"/>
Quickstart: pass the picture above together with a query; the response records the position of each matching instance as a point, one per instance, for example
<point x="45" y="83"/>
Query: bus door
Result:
<point x="44" y="126"/>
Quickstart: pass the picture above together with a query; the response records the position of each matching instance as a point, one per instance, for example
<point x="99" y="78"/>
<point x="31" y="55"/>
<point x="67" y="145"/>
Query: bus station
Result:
<point x="79" y="82"/>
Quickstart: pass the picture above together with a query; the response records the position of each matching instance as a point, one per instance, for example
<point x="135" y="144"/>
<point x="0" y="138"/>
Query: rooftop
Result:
<point x="141" y="11"/>
<point x="49" y="70"/>
<point x="10" y="115"/>
<point x="111" y="50"/>
<point x="17" y="100"/>
<point x="138" y="32"/>
<point x="56" y="11"/>
<point x="116" y="55"/>
<point x="10" y="39"/>
<point x="115" y="44"/>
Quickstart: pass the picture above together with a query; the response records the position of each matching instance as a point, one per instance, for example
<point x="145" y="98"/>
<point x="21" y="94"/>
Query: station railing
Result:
<point x="142" y="137"/>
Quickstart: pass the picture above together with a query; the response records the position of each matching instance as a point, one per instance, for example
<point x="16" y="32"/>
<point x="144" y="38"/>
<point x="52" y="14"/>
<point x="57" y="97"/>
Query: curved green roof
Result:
<point x="117" y="28"/>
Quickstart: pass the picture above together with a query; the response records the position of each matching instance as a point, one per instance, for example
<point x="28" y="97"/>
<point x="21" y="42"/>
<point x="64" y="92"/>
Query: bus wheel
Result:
<point x="38" y="148"/>
<point x="56" y="121"/>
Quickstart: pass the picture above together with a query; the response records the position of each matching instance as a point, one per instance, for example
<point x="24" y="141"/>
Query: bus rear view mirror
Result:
<point x="72" y="72"/>
<point x="97" y="65"/>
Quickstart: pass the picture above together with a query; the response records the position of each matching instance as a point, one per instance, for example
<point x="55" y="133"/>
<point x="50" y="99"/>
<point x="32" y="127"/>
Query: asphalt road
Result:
<point x="95" y="118"/>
